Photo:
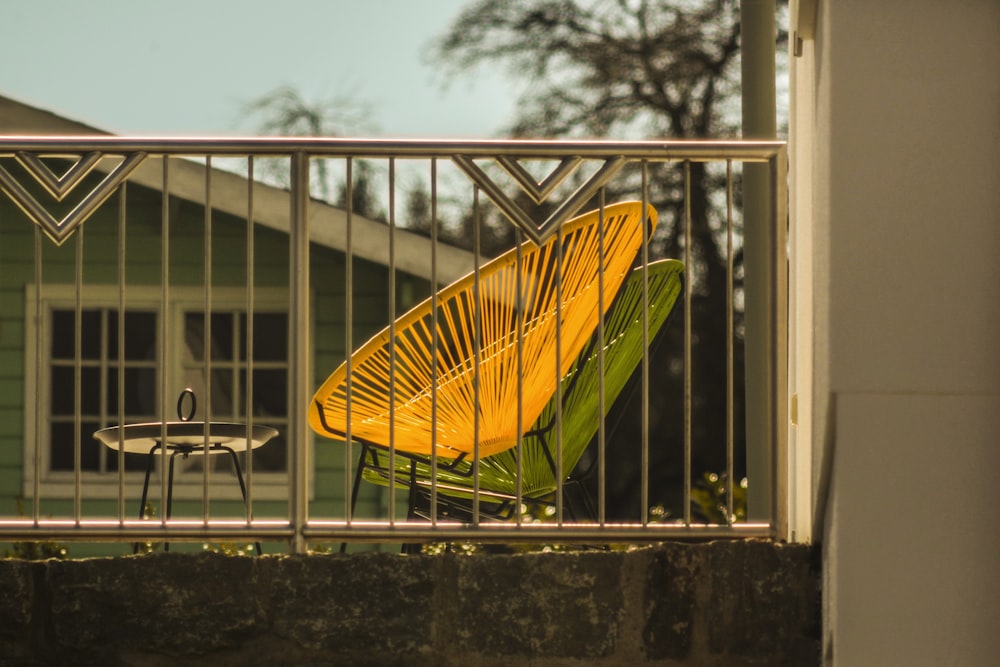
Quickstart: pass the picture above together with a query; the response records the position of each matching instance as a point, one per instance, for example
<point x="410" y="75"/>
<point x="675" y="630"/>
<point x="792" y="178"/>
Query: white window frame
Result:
<point x="181" y="299"/>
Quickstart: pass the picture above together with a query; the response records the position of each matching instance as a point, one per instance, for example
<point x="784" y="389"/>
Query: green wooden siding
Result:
<point x="143" y="244"/>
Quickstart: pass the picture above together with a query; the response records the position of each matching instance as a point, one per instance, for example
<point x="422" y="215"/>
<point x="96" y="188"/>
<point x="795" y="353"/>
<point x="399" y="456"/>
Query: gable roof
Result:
<point x="327" y="224"/>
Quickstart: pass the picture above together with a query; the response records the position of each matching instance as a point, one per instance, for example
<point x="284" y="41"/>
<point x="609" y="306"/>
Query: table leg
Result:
<point x="243" y="487"/>
<point x="150" y="461"/>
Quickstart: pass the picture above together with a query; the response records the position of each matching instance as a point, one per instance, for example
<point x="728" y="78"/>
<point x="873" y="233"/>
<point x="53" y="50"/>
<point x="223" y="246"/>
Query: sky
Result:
<point x="189" y="67"/>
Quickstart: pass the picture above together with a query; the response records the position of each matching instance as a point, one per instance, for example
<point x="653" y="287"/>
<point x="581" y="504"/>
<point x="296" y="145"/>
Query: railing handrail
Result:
<point x="670" y="149"/>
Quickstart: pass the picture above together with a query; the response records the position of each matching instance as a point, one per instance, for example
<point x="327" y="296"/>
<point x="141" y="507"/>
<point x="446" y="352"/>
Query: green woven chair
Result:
<point x="498" y="473"/>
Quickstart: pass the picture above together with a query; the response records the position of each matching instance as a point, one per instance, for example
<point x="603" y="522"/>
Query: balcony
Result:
<point x="249" y="270"/>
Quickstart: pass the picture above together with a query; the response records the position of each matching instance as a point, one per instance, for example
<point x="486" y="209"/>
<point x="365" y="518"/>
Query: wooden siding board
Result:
<point x="12" y="335"/>
<point x="11" y="391"/>
<point x="10" y="483"/>
<point x="11" y="361"/>
<point x="12" y="420"/>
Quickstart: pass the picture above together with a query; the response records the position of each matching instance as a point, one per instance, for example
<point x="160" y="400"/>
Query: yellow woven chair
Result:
<point x="397" y="382"/>
<point x="499" y="478"/>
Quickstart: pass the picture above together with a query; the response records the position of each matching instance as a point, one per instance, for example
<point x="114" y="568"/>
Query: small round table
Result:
<point x="184" y="438"/>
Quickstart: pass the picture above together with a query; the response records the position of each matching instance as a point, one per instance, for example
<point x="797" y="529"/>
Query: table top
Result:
<point x="184" y="435"/>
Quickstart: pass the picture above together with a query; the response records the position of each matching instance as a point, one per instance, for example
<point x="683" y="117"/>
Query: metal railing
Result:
<point x="248" y="269"/>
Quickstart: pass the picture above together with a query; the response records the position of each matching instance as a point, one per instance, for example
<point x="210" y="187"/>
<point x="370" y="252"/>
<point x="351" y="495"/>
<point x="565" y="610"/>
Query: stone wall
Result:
<point x="720" y="603"/>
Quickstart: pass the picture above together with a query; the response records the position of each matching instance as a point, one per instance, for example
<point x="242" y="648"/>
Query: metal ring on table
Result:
<point x="180" y="405"/>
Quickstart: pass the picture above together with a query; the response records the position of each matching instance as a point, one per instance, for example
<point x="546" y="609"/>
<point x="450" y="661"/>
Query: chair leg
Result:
<point x="570" y="504"/>
<point x="412" y="548"/>
<point x="411" y="499"/>
<point x="356" y="487"/>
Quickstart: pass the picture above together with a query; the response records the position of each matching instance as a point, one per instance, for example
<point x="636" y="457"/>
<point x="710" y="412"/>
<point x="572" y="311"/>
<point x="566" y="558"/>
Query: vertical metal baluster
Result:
<point x="688" y="287"/>
<point x="349" y="340"/>
<point x="78" y="381"/>
<point x="121" y="353"/>
<point x="392" y="342"/>
<point x="37" y="463"/>
<point x="301" y="348"/>
<point x="103" y="387"/>
<point x="645" y="343"/>
<point x="560" y="240"/>
<point x="250" y="277"/>
<point x="519" y="454"/>
<point x="778" y="348"/>
<point x="104" y="365"/>
<point x="434" y="341"/>
<point x="602" y="442"/>
<point x="730" y="348"/>
<point x="165" y="317"/>
<point x="206" y="477"/>
<point x="476" y="351"/>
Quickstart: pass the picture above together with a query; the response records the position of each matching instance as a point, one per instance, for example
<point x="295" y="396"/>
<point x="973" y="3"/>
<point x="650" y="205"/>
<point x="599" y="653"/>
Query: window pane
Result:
<point x="270" y="393"/>
<point x="91" y="334"/>
<point x="63" y="326"/>
<point x="64" y="334"/>
<point x="64" y="390"/>
<point x="222" y="394"/>
<point x="140" y="392"/>
<point x="90" y="448"/>
<point x="133" y="462"/>
<point x="140" y="335"/>
<point x="90" y="391"/>
<point x="222" y="336"/>
<point x="271" y="456"/>
<point x="194" y="336"/>
<point x="63" y="445"/>
<point x="270" y="336"/>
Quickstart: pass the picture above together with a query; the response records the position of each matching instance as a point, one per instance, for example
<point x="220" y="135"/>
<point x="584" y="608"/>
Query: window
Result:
<point x="98" y="376"/>
<point x="78" y="381"/>
<point x="228" y="353"/>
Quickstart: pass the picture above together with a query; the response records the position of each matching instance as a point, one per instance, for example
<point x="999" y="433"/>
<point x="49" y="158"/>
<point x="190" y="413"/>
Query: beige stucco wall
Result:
<point x="896" y="137"/>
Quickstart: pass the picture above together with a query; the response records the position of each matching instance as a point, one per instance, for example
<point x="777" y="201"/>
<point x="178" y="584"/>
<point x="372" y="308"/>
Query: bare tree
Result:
<point x="418" y="209"/>
<point x="635" y="69"/>
<point x="284" y="111"/>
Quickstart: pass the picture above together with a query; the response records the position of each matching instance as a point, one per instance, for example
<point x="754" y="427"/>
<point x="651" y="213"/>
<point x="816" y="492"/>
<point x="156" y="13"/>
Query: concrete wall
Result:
<point x="896" y="159"/>
<point x="723" y="603"/>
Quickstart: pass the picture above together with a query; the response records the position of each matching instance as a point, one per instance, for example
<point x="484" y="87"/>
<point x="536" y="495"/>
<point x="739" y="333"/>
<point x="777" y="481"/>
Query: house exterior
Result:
<point x="43" y="367"/>
<point x="895" y="210"/>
